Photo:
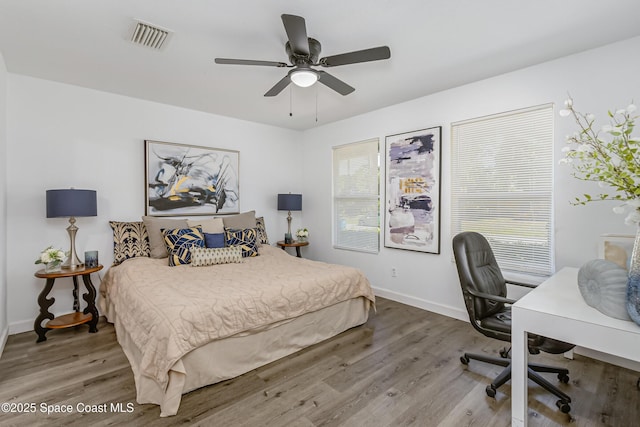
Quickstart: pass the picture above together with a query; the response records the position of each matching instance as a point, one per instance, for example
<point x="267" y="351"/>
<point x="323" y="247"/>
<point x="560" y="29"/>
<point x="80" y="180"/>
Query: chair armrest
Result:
<point x="491" y="297"/>
<point x="526" y="285"/>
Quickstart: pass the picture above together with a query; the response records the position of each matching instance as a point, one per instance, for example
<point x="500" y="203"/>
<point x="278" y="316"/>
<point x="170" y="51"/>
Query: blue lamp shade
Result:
<point x="71" y="203"/>
<point x="289" y="202"/>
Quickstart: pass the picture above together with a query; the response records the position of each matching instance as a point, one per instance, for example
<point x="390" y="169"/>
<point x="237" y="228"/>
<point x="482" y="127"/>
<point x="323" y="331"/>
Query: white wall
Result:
<point x="62" y="136"/>
<point x="4" y="326"/>
<point x="598" y="80"/>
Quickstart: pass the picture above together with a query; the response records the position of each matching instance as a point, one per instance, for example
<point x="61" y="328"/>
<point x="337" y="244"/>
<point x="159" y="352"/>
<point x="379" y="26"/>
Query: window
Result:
<point x="356" y="196"/>
<point x="502" y="185"/>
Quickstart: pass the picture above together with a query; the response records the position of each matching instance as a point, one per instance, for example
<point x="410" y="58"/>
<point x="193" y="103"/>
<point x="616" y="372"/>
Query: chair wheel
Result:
<point x="491" y="391"/>
<point x="464" y="360"/>
<point x="563" y="406"/>
<point x="564" y="378"/>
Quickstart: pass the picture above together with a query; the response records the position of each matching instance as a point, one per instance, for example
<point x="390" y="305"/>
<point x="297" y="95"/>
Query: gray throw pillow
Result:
<point x="240" y="221"/>
<point x="154" y="226"/>
<point x="208" y="225"/>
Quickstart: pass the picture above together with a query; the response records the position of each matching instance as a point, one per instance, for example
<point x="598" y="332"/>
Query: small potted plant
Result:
<point x="52" y="259"/>
<point x="302" y="234"/>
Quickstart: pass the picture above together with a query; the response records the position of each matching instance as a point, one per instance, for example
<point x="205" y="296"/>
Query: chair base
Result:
<point x="532" y="373"/>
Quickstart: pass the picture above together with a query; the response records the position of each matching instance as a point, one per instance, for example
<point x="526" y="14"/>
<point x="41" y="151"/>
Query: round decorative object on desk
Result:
<point x="633" y="287"/>
<point x="603" y="285"/>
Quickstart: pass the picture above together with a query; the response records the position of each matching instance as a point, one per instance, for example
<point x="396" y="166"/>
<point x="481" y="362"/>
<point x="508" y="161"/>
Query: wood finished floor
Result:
<point x="401" y="368"/>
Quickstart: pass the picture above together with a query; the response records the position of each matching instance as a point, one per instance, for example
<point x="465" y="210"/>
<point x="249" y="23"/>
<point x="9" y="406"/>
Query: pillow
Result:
<point x="214" y="240"/>
<point x="179" y="243"/>
<point x="201" y="257"/>
<point x="208" y="225"/>
<point x="130" y="240"/>
<point x="154" y="228"/>
<point x="240" y="221"/>
<point x="263" y="239"/>
<point x="246" y="239"/>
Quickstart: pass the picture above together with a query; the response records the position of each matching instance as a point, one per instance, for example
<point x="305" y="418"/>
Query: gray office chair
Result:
<point x="484" y="290"/>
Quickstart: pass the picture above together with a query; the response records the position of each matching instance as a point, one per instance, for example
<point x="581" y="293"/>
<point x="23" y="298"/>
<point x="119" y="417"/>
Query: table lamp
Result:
<point x="289" y="202"/>
<point x="71" y="203"/>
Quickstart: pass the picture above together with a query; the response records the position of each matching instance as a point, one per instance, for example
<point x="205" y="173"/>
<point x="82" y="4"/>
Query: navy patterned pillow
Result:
<point x="130" y="240"/>
<point x="246" y="239"/>
<point x="179" y="242"/>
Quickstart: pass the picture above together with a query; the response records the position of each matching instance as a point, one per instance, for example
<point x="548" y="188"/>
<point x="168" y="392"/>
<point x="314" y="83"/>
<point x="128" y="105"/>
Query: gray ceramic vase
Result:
<point x="603" y="285"/>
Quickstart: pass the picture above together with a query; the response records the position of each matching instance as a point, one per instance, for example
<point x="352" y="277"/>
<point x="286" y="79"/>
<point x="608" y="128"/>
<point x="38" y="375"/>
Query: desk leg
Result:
<point x="519" y="351"/>
<point x="90" y="298"/>
<point x="44" y="304"/>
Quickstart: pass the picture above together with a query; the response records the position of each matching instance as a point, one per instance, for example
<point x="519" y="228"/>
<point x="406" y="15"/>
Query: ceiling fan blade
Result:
<point x="366" y="55"/>
<point x="296" y="33"/>
<point x="279" y="87"/>
<point x="249" y="62"/>
<point x="334" y="83"/>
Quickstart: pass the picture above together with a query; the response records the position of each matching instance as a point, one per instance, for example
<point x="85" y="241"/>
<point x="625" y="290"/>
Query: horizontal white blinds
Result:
<point x="356" y="196"/>
<point x="502" y="183"/>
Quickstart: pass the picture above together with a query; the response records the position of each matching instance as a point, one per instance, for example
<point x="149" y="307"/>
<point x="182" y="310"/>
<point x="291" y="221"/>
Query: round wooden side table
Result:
<point x="294" y="244"/>
<point x="88" y="315"/>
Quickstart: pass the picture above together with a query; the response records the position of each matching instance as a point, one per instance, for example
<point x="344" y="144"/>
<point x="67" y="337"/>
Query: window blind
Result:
<point x="356" y="196"/>
<point x="502" y="186"/>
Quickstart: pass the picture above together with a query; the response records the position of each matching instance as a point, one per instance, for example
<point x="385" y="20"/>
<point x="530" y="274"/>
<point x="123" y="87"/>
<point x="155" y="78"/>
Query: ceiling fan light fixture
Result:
<point x="304" y="78"/>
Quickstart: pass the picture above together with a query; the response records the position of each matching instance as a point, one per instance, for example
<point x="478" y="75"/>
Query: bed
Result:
<point x="186" y="327"/>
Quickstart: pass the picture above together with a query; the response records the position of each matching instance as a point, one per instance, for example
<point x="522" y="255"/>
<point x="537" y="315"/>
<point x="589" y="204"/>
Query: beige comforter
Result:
<point x="169" y="311"/>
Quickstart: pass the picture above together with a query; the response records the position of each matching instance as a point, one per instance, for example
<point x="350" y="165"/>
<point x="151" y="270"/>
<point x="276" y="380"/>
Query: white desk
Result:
<point x="556" y="309"/>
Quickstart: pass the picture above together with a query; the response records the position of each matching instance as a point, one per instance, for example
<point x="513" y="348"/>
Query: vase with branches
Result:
<point x="610" y="156"/>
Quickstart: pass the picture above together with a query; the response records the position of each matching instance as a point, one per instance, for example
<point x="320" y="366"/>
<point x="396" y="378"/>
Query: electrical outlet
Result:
<point x="394" y="273"/>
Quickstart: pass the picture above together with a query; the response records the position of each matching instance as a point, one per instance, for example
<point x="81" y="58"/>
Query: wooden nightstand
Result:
<point x="88" y="315"/>
<point x="294" y="244"/>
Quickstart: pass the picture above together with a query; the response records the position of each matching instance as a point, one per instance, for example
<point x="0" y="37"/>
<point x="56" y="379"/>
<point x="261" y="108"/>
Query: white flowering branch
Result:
<point x="613" y="160"/>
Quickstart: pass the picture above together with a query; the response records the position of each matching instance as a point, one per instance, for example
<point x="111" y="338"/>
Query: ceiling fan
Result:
<point x="303" y="53"/>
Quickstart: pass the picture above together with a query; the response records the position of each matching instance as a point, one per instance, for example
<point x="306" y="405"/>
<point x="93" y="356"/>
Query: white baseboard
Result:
<point x="445" y="310"/>
<point x="4" y="335"/>
<point x="3" y="339"/>
<point x="608" y="358"/>
<point x="20" y="327"/>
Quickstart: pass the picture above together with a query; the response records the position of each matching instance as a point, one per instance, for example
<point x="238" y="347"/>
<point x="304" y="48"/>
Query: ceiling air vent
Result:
<point x="150" y="35"/>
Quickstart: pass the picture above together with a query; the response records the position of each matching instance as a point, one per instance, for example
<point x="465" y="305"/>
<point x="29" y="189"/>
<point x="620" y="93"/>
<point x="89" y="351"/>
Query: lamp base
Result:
<point x="287" y="238"/>
<point x="72" y="262"/>
<point x="72" y="265"/>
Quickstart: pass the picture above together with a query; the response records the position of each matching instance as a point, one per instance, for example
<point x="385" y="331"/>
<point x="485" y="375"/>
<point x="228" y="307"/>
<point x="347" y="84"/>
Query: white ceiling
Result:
<point x="435" y="45"/>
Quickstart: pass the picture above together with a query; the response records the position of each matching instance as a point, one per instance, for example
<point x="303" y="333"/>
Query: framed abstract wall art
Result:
<point x="412" y="211"/>
<point x="190" y="180"/>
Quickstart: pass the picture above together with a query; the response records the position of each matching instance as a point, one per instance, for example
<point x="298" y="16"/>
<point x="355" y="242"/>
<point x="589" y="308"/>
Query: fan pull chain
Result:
<point x="316" y="85"/>
<point x="290" y="101"/>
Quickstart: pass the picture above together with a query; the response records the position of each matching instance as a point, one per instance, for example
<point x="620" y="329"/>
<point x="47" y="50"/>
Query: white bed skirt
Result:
<point x="227" y="358"/>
